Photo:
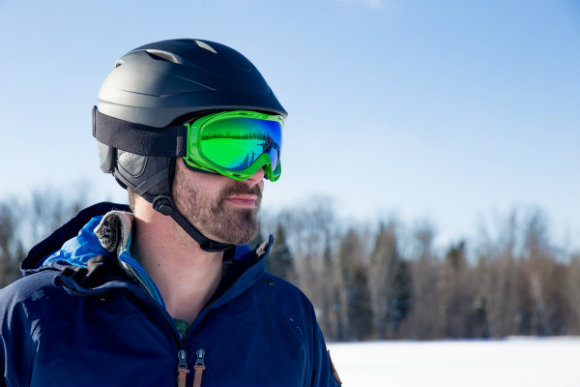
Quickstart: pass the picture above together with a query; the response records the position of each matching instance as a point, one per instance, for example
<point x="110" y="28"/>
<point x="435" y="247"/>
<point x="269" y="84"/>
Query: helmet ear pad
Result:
<point x="151" y="178"/>
<point x="148" y="176"/>
<point x="107" y="156"/>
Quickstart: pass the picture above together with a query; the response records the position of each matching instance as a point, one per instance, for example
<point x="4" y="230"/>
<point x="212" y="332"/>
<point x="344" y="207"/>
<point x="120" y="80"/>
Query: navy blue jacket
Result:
<point x="78" y="318"/>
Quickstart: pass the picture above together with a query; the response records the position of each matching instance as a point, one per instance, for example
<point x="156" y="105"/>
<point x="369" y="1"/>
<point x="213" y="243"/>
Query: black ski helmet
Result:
<point x="144" y="101"/>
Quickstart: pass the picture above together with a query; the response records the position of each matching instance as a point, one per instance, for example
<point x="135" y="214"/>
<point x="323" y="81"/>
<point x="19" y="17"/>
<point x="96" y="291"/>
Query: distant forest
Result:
<point x="386" y="280"/>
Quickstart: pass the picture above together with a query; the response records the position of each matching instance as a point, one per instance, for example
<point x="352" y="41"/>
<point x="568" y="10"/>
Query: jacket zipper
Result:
<point x="182" y="369"/>
<point x="198" y="367"/>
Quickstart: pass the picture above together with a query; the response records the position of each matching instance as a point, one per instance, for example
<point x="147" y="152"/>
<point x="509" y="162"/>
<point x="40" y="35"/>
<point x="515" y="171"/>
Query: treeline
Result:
<point x="385" y="280"/>
<point x="28" y="219"/>
<point x="391" y="282"/>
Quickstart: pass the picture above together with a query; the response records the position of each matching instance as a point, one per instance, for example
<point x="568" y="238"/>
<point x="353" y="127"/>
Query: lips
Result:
<point x="246" y="201"/>
<point x="238" y="194"/>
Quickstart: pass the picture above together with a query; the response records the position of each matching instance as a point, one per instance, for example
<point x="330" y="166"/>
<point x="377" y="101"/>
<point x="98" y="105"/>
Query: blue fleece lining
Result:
<point x="150" y="286"/>
<point x="78" y="250"/>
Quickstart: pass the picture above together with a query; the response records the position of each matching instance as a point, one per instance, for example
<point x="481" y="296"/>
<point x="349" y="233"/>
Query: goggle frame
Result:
<point x="197" y="160"/>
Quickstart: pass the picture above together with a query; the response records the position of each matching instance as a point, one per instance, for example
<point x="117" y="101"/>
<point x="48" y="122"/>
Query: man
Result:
<point x="167" y="294"/>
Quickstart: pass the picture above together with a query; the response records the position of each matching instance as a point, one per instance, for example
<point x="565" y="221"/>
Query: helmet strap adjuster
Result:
<point x="163" y="204"/>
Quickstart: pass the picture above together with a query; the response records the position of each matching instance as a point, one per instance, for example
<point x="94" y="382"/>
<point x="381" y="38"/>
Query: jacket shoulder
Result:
<point x="296" y="310"/>
<point x="279" y="287"/>
<point x="33" y="295"/>
<point x="286" y="298"/>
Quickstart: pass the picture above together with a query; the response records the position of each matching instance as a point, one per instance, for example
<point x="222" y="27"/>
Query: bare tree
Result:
<point x="25" y="221"/>
<point x="572" y="286"/>
<point x="422" y="320"/>
<point x="389" y="282"/>
<point x="311" y="228"/>
<point x="457" y="290"/>
<point x="355" y="315"/>
<point x="11" y="249"/>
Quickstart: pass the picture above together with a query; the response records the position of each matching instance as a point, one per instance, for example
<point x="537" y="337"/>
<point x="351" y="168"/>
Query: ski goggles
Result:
<point x="235" y="144"/>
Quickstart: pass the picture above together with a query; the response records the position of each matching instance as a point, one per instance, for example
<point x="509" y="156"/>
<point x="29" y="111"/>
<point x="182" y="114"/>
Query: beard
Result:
<point x="213" y="217"/>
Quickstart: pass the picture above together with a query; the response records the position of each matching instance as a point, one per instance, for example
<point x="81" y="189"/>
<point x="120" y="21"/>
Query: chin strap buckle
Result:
<point x="164" y="205"/>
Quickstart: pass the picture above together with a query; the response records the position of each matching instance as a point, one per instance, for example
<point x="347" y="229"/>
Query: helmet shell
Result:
<point x="158" y="83"/>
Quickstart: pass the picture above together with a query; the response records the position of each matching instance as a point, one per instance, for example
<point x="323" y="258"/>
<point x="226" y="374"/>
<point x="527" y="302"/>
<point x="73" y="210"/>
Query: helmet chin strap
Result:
<point x="164" y="205"/>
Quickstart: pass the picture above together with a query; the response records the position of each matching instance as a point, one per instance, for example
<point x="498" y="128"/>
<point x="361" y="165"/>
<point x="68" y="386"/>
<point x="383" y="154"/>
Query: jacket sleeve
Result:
<point x="2" y="362"/>
<point x="14" y="340"/>
<point x="324" y="374"/>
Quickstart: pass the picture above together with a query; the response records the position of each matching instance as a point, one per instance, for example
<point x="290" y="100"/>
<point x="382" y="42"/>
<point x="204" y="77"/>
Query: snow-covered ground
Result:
<point x="514" y="362"/>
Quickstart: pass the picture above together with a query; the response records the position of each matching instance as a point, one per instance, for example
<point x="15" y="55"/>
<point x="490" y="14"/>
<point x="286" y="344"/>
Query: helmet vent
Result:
<point x="164" y="55"/>
<point x="205" y="46"/>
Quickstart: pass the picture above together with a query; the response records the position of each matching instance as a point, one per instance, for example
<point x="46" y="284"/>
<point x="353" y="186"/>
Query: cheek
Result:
<point x="203" y="184"/>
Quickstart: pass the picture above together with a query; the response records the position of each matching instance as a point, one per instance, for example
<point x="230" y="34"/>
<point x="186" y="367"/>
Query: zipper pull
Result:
<point x="182" y="369"/>
<point x="198" y="367"/>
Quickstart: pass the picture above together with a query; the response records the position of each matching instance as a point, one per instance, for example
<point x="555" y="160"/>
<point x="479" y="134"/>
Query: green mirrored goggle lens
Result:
<point x="236" y="143"/>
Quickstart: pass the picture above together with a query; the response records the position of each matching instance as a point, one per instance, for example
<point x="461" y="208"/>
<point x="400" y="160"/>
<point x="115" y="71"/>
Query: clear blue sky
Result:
<point x="453" y="110"/>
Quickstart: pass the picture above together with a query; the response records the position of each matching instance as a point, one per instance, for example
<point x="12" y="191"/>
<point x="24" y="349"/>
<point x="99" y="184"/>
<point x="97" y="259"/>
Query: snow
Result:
<point x="549" y="362"/>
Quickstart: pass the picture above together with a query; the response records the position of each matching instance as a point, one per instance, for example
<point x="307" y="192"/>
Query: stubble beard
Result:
<point x="214" y="218"/>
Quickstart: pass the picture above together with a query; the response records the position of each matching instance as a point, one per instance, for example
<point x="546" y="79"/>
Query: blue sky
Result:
<point x="457" y="111"/>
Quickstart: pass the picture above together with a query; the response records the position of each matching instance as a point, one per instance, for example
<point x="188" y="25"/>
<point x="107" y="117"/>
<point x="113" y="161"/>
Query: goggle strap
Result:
<point x="139" y="139"/>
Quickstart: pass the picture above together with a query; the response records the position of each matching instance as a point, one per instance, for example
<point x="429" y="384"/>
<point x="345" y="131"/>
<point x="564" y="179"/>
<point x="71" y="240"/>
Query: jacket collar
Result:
<point x="104" y="229"/>
<point x="68" y="231"/>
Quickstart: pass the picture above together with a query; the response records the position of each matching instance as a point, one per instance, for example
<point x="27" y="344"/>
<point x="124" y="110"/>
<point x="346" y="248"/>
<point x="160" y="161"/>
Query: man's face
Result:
<point x="221" y="208"/>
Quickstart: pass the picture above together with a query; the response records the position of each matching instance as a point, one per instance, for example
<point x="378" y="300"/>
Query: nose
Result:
<point x="256" y="177"/>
